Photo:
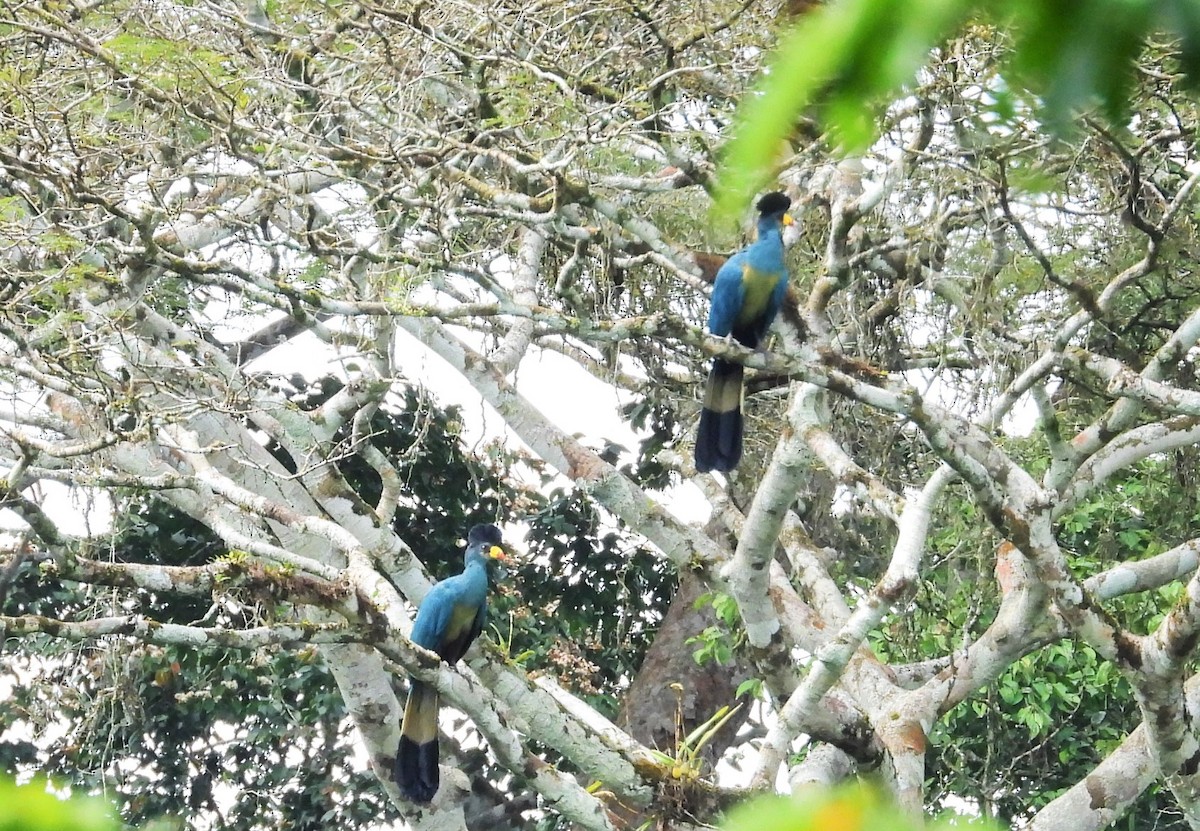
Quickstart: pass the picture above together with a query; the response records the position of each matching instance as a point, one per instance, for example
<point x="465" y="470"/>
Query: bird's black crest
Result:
<point x="773" y="203"/>
<point x="484" y="533"/>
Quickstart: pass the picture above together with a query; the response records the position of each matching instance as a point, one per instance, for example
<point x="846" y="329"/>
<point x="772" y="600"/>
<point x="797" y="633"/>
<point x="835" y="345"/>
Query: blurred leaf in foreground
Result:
<point x="849" y="57"/>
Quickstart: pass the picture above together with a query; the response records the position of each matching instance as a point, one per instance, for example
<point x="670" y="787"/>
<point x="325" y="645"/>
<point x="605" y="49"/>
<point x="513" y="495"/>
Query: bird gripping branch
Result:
<point x="747" y="294"/>
<point x="450" y="617"/>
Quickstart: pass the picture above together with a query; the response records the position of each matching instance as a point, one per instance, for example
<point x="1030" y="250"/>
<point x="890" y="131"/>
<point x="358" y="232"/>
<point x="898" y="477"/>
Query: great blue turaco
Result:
<point x="449" y="618"/>
<point x="747" y="294"/>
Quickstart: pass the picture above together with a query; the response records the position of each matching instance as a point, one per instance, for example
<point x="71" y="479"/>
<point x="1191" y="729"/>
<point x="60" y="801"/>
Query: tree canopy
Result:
<point x="1060" y="59"/>
<point x="959" y="556"/>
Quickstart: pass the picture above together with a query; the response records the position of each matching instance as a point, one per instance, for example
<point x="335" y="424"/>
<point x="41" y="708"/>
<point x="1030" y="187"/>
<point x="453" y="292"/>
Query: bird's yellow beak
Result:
<point x="787" y="220"/>
<point x="497" y="553"/>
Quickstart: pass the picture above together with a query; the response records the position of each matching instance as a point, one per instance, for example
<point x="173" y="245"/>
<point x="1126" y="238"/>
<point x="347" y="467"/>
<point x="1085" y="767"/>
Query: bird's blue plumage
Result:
<point x="747" y="294"/>
<point x="449" y="612"/>
<point x="450" y="617"/>
<point x="749" y="288"/>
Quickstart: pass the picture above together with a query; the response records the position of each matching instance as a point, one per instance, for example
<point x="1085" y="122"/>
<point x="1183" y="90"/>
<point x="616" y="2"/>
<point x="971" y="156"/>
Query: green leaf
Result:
<point x="854" y="51"/>
<point x="853" y="807"/>
<point x="704" y="733"/>
<point x="32" y="808"/>
<point x="751" y="686"/>
<point x="846" y="56"/>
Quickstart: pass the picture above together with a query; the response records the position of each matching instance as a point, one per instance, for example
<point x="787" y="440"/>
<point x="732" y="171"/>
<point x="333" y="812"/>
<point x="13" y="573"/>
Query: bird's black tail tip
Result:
<point x="719" y="440"/>
<point x="416" y="771"/>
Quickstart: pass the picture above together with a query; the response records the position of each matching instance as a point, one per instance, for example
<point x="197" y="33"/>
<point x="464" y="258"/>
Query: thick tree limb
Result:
<point x="150" y="631"/>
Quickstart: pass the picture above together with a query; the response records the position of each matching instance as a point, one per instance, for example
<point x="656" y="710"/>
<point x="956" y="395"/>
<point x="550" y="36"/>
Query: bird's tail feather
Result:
<point x="719" y="437"/>
<point x="416" y="771"/>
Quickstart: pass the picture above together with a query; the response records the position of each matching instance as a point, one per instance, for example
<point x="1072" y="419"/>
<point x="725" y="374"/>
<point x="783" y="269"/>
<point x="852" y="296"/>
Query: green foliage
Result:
<point x="660" y="418"/>
<point x="165" y="729"/>
<point x="33" y="807"/>
<point x="1064" y="706"/>
<point x="687" y="760"/>
<point x="1134" y="517"/>
<point x="168" y="727"/>
<point x="853" y="807"/>
<point x="847" y="57"/>
<point x="272" y="726"/>
<point x="751" y="688"/>
<point x="163" y="62"/>
<point x="447" y="489"/>
<point x="717" y="643"/>
<point x="586" y="602"/>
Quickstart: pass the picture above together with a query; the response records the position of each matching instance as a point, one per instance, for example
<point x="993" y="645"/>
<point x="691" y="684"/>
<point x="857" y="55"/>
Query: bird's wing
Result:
<point x="478" y="622"/>
<point x="461" y="630"/>
<point x="449" y="618"/>
<point x="433" y="616"/>
<point x="776" y="301"/>
<point x="727" y="296"/>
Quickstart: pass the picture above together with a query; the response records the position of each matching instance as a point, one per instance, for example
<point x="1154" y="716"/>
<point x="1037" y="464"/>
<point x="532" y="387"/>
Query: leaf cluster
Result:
<point x="844" y="60"/>
<point x="173" y="730"/>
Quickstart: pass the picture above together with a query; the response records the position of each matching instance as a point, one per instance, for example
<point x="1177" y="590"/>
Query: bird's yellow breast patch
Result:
<point x="757" y="287"/>
<point x="461" y="619"/>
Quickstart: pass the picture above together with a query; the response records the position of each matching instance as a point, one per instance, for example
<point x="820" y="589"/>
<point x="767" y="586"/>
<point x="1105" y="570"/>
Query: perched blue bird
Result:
<point x="450" y="617"/>
<point x="747" y="294"/>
